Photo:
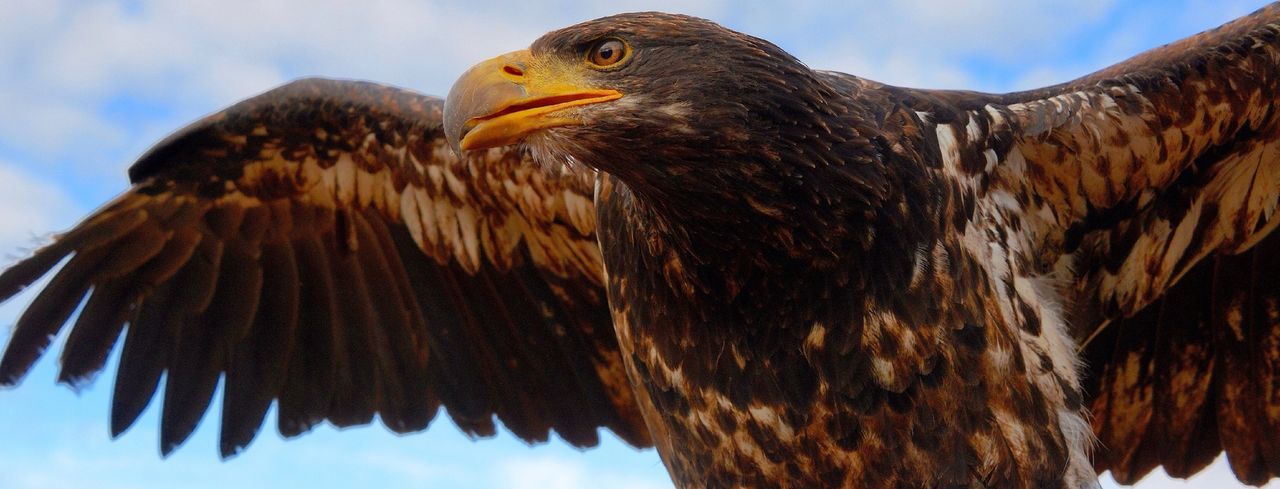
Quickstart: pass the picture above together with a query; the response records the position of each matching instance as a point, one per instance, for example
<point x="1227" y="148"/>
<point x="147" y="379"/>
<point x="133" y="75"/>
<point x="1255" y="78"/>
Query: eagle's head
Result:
<point x="714" y="130"/>
<point x="661" y="101"/>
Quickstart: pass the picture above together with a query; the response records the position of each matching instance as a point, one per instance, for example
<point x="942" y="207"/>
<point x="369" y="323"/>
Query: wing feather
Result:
<point x="1149" y="191"/>
<point x="257" y="367"/>
<point x="320" y="247"/>
<point x="312" y="373"/>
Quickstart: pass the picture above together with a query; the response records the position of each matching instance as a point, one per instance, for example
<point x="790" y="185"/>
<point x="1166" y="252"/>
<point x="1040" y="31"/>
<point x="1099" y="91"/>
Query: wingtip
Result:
<point x="168" y="446"/>
<point x="123" y="415"/>
<point x="77" y="383"/>
<point x="10" y="374"/>
<point x="171" y="439"/>
<point x="228" y="450"/>
<point x="116" y="430"/>
<point x="292" y="428"/>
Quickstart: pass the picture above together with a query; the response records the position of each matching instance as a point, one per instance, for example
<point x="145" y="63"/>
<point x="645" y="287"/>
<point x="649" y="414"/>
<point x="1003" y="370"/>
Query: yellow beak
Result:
<point x="500" y="101"/>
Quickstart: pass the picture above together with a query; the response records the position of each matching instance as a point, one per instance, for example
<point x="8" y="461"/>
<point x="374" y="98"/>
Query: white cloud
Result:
<point x="552" y="472"/>
<point x="29" y="209"/>
<point x="190" y="58"/>
<point x="67" y="61"/>
<point x="48" y="125"/>
<point x="929" y="43"/>
<point x="541" y="472"/>
<point x="193" y="57"/>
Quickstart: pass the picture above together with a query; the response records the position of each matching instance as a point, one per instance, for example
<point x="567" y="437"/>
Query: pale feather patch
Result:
<point x="430" y="222"/>
<point x="366" y="184"/>
<point x="344" y="171"/>
<point x="580" y="210"/>
<point x="816" y="340"/>
<point x="412" y="219"/>
<point x="949" y="148"/>
<point x="468" y="253"/>
<point x="768" y="416"/>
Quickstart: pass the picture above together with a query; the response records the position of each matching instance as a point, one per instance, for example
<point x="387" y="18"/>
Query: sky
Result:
<point x="87" y="86"/>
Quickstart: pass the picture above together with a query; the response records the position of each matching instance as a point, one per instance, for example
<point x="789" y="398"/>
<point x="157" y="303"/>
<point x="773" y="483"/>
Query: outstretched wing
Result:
<point x="319" y="246"/>
<point x="1150" y="190"/>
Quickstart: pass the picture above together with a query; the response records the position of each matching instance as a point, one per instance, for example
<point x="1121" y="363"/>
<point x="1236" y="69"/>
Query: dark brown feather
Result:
<point x="120" y="287"/>
<point x="519" y="409"/>
<point x="177" y="251"/>
<point x="405" y="403"/>
<point x="452" y="366"/>
<point x="100" y="229"/>
<point x="357" y="386"/>
<point x="316" y="359"/>
<point x="549" y="349"/>
<point x="1265" y="315"/>
<point x="1266" y="348"/>
<point x="153" y="336"/>
<point x="132" y="251"/>
<point x="42" y="320"/>
<point x="259" y="362"/>
<point x="206" y="342"/>
<point x="1184" y="393"/>
<point x="95" y="332"/>
<point x="148" y="348"/>
<point x="1237" y="335"/>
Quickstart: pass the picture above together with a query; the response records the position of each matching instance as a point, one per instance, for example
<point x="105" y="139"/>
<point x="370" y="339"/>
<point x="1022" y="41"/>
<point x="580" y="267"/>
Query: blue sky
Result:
<point x="86" y="86"/>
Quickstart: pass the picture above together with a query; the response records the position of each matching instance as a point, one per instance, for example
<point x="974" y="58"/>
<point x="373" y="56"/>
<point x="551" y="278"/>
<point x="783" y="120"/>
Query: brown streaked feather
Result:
<point x="939" y="342"/>
<point x="321" y="247"/>
<point x="1136" y="189"/>
<point x="1183" y="386"/>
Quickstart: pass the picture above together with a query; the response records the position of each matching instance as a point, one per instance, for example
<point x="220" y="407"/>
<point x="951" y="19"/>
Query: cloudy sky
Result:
<point x="86" y="86"/>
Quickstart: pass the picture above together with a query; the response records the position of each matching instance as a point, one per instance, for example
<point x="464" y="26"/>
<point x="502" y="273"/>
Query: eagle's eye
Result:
<point x="607" y="52"/>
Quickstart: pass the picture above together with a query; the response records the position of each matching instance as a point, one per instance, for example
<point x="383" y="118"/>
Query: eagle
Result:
<point x="777" y="276"/>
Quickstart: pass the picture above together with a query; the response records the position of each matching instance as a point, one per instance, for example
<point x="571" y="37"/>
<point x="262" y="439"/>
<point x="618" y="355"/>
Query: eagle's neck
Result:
<point x="827" y="335"/>
<point x="819" y="201"/>
<point x="725" y="248"/>
<point x="724" y="305"/>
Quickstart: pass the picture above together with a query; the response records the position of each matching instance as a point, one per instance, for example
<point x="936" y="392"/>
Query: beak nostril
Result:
<point x="512" y="70"/>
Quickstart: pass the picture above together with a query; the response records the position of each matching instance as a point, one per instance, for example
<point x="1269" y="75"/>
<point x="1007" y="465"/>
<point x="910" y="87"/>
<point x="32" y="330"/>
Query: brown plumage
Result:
<point x="777" y="276"/>
<point x="269" y="243"/>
